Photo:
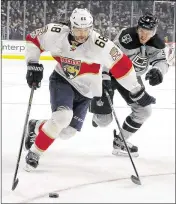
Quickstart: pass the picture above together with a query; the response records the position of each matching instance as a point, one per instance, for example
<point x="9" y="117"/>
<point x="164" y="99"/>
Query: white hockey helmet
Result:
<point x="81" y="24"/>
<point x="81" y="18"/>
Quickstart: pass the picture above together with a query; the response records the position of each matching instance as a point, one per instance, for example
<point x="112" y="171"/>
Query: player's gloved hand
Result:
<point x="154" y="76"/>
<point x="34" y="74"/>
<point x="107" y="82"/>
<point x="142" y="98"/>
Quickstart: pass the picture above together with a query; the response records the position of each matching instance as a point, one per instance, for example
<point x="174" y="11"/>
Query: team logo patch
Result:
<point x="126" y="38"/>
<point x="71" y="67"/>
<point x="115" y="54"/>
<point x="140" y="63"/>
<point x="99" y="102"/>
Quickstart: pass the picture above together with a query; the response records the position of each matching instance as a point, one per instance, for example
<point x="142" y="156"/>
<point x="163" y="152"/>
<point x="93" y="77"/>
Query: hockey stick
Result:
<point x="135" y="179"/>
<point x="15" y="179"/>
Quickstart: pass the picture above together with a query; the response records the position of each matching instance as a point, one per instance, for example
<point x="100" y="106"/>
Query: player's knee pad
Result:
<point x="60" y="119"/>
<point x="141" y="114"/>
<point x="147" y="112"/>
<point x="67" y="133"/>
<point x="102" y="120"/>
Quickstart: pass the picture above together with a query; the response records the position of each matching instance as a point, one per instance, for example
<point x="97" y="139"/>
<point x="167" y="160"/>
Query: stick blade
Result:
<point x="15" y="183"/>
<point x="136" y="180"/>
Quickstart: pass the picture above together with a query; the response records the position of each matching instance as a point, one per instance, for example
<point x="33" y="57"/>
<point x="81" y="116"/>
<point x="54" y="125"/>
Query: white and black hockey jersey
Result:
<point x="152" y="53"/>
<point x="82" y="66"/>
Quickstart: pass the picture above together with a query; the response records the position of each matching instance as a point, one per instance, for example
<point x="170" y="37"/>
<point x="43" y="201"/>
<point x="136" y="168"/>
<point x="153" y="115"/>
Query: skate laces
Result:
<point x="119" y="141"/>
<point x="33" y="156"/>
<point x="32" y="137"/>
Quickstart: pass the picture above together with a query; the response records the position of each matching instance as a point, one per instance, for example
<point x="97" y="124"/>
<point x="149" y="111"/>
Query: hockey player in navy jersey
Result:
<point x="145" y="48"/>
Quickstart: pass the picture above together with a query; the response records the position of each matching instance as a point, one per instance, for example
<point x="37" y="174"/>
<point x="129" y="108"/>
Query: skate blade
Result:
<point x="28" y="168"/>
<point x="118" y="152"/>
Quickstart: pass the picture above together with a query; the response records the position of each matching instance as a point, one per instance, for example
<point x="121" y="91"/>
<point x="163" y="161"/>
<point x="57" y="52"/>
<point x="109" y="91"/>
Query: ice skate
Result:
<point x="119" y="148"/>
<point x="30" y="137"/>
<point x="32" y="161"/>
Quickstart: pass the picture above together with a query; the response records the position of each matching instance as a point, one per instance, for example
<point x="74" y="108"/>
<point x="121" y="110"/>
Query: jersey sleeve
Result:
<point x="120" y="66"/>
<point x="159" y="61"/>
<point x="40" y="40"/>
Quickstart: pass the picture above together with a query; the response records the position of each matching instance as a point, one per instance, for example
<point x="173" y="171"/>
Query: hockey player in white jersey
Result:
<point x="144" y="47"/>
<point x="80" y="53"/>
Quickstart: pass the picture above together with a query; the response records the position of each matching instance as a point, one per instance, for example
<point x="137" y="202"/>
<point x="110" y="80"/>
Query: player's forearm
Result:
<point x="163" y="66"/>
<point x="33" y="49"/>
<point x="123" y="71"/>
<point x="159" y="61"/>
<point x="130" y="82"/>
<point x="32" y="53"/>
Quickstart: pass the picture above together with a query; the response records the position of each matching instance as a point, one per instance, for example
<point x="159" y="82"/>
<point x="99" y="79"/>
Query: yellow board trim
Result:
<point x="22" y="57"/>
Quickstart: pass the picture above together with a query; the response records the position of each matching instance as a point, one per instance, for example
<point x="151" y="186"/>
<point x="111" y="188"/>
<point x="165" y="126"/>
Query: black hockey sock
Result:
<point x="130" y="125"/>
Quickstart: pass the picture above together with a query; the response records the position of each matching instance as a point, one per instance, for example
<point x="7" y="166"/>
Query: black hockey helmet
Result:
<point x="148" y="21"/>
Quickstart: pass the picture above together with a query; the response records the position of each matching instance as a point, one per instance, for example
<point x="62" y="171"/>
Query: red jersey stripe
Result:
<point x="89" y="68"/>
<point x="122" y="67"/>
<point x="35" y="41"/>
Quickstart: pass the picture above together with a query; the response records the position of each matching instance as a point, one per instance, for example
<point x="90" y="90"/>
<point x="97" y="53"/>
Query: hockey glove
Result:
<point x="142" y="98"/>
<point x="154" y="76"/>
<point x="34" y="74"/>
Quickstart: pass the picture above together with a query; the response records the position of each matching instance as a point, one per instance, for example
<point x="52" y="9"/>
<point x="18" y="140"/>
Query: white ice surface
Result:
<point x="83" y="168"/>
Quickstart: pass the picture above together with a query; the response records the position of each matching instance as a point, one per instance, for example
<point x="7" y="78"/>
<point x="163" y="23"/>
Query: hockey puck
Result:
<point x="53" y="195"/>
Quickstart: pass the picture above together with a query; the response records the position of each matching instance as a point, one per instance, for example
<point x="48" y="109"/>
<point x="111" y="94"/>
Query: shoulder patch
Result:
<point x="126" y="38"/>
<point x="115" y="54"/>
<point x="129" y="38"/>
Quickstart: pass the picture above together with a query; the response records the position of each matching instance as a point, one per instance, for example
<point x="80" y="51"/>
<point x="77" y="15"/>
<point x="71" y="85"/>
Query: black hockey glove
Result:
<point x="154" y="76"/>
<point x="107" y="83"/>
<point x="142" y="98"/>
<point x="34" y="74"/>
